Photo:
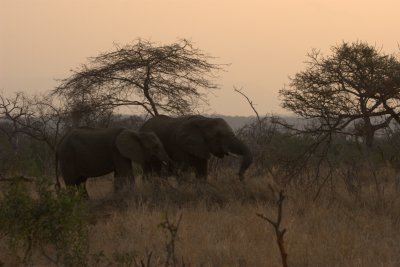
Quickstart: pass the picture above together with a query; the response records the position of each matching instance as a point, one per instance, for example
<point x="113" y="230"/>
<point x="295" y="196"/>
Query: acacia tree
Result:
<point x="354" y="91"/>
<point x="158" y="78"/>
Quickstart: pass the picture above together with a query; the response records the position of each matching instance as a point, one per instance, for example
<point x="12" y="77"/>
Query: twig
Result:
<point x="249" y="101"/>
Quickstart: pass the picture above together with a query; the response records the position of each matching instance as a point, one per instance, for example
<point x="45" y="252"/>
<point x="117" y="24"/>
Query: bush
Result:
<point x="54" y="224"/>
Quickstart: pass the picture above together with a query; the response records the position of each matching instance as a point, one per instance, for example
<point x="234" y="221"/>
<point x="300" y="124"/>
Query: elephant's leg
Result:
<point x="123" y="175"/>
<point x="181" y="170"/>
<point x="156" y="167"/>
<point x="82" y="180"/>
<point x="77" y="182"/>
<point x="85" y="192"/>
<point x="122" y="180"/>
<point x="71" y="177"/>
<point x="152" y="168"/>
<point x="147" y="171"/>
<point x="118" y="182"/>
<point x="201" y="169"/>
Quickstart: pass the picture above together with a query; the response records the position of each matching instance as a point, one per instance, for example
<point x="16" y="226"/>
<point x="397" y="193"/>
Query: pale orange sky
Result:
<point x="265" y="41"/>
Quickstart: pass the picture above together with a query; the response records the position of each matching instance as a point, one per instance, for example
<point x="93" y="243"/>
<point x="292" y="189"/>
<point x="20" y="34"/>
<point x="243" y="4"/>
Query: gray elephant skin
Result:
<point x="92" y="152"/>
<point x="191" y="140"/>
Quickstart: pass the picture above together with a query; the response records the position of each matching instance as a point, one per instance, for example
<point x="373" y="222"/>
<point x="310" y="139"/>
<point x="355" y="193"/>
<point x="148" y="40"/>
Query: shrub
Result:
<point x="54" y="224"/>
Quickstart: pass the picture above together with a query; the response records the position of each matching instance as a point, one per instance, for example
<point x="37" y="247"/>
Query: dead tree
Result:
<point x="277" y="226"/>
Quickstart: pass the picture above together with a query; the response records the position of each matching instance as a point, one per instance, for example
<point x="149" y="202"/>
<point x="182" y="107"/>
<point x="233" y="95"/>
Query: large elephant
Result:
<point x="191" y="140"/>
<point x="90" y="152"/>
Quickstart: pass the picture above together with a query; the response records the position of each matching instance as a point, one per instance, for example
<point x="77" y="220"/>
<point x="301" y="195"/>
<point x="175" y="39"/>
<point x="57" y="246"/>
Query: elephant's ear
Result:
<point x="129" y="145"/>
<point x="191" y="140"/>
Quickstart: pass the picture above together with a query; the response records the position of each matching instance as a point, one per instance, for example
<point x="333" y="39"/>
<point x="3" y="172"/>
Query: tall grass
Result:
<point x="219" y="226"/>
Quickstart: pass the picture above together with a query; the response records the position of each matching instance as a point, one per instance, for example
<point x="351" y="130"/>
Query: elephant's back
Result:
<point x="88" y="136"/>
<point x="164" y="127"/>
<point x="158" y="124"/>
<point x="161" y="123"/>
<point x="93" y="133"/>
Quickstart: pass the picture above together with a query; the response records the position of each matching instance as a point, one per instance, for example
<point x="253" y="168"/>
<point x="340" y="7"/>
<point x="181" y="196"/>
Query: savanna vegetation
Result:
<point x="321" y="192"/>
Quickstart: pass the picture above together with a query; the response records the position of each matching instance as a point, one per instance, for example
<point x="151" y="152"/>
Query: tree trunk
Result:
<point x="369" y="133"/>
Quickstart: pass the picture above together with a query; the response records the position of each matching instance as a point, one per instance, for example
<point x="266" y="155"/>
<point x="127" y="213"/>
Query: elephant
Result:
<point x="190" y="141"/>
<point x="91" y="152"/>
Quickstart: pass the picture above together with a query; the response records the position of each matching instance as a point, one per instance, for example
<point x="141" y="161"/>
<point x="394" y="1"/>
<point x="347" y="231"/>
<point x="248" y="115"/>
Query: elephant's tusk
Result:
<point x="165" y="163"/>
<point x="232" y="154"/>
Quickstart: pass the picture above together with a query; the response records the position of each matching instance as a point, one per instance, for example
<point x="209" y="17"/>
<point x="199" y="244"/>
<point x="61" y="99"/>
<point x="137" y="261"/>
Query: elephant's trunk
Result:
<point x="237" y="147"/>
<point x="163" y="157"/>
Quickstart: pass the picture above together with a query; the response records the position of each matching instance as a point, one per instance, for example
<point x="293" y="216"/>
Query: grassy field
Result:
<point x="219" y="225"/>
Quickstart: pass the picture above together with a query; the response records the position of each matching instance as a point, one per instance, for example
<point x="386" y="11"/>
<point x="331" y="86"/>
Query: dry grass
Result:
<point x="220" y="228"/>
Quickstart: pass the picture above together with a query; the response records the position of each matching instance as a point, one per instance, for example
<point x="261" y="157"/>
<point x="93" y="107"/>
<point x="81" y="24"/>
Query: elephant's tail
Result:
<point x="58" y="185"/>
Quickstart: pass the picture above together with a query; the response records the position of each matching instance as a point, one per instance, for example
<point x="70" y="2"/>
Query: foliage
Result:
<point x="25" y="156"/>
<point x="275" y="149"/>
<point x="52" y="223"/>
<point x="7" y="157"/>
<point x="124" y="258"/>
<point x="354" y="91"/>
<point x="156" y="78"/>
<point x="317" y="161"/>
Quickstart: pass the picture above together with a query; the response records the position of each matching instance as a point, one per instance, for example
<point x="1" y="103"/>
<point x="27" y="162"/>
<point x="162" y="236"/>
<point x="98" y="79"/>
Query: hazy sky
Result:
<point x="265" y="41"/>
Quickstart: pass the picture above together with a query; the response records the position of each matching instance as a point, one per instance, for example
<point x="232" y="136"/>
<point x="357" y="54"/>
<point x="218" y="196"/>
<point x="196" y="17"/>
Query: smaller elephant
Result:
<point x="91" y="152"/>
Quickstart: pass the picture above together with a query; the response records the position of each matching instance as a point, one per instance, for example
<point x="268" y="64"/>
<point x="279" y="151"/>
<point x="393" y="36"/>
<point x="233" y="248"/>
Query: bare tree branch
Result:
<point x="240" y="91"/>
<point x="37" y="117"/>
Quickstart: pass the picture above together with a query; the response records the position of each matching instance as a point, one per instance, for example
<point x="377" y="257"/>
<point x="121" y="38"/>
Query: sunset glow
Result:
<point x="264" y="42"/>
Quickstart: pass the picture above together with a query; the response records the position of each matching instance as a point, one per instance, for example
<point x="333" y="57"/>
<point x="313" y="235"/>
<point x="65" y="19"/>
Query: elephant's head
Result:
<point x="202" y="136"/>
<point x="140" y="147"/>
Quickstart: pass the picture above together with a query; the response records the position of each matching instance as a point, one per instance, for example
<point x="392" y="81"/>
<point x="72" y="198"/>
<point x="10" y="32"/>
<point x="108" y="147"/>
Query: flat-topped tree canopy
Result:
<point x="353" y="91"/>
<point x="169" y="79"/>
